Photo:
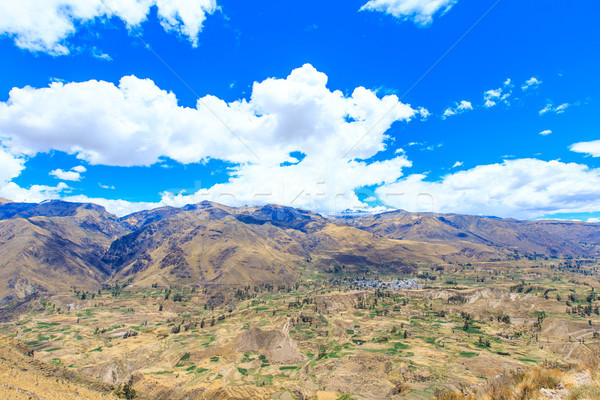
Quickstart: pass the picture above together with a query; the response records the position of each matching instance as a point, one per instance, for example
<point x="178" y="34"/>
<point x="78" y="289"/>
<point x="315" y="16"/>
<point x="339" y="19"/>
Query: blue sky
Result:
<point x="452" y="101"/>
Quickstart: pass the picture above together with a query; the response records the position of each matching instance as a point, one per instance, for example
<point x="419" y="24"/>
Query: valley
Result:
<point x="212" y="302"/>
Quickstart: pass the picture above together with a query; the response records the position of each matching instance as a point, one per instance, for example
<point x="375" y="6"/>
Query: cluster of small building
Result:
<point x="388" y="285"/>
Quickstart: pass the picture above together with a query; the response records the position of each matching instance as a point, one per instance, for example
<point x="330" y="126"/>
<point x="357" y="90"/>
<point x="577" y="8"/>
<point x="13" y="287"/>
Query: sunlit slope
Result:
<point x="24" y="377"/>
<point x="494" y="237"/>
<point x="53" y="246"/>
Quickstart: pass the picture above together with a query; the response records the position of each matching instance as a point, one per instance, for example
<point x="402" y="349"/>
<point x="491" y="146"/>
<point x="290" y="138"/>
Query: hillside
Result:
<point x="55" y="246"/>
<point x="23" y="377"/>
<point x="51" y="246"/>
<point x="212" y="244"/>
<point x="487" y="237"/>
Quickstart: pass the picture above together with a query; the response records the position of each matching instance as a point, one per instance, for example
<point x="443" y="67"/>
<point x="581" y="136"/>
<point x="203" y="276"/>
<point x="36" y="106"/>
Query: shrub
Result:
<point x="126" y="391"/>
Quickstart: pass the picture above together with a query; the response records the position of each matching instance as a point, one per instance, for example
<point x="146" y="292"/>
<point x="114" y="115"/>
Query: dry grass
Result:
<point x="524" y="385"/>
<point x="576" y="383"/>
<point x="23" y="377"/>
<point x="587" y="387"/>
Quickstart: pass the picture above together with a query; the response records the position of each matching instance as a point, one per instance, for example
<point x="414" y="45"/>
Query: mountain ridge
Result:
<point x="56" y="245"/>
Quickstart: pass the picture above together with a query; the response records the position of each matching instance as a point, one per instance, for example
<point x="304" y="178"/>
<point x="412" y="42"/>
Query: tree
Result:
<point x="127" y="392"/>
<point x="483" y="342"/>
<point x="322" y="352"/>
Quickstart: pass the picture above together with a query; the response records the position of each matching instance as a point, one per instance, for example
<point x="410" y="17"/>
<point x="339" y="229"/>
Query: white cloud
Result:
<point x="66" y="175"/>
<point x="100" y="55"/>
<point x="557" y="110"/>
<point x="318" y="184"/>
<point x="424" y="113"/>
<point x="432" y="147"/>
<point x="11" y="166"/>
<point x="421" y="12"/>
<point x="111" y="187"/>
<point x="546" y="132"/>
<point x="501" y="95"/>
<point x="546" y="109"/>
<point x="458" y="108"/>
<point x="491" y="96"/>
<point x="593" y="220"/>
<point x="137" y="124"/>
<point x="45" y="25"/>
<point x="457" y="164"/>
<point x="521" y="188"/>
<point x="117" y="207"/>
<point x="590" y="148"/>
<point x="33" y="194"/>
<point x="531" y="83"/>
<point x="73" y="175"/>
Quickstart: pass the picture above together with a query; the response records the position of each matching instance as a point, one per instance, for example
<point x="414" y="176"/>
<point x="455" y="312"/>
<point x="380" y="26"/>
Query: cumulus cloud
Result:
<point x="33" y="194"/>
<point x="66" y="175"/>
<point x="556" y="110"/>
<point x="546" y="132"/>
<point x="457" y="164"/>
<point x="73" y="175"/>
<point x="501" y="95"/>
<point x="11" y="166"/>
<point x="46" y="25"/>
<point x="521" y="188"/>
<point x="531" y="83"/>
<point x="458" y="108"/>
<point x="421" y="12"/>
<point x="138" y="124"/>
<point x="590" y="148"/>
<point x="317" y="184"/>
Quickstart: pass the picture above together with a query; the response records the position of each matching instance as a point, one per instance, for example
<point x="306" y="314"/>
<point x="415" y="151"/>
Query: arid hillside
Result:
<point x="212" y="244"/>
<point x="487" y="237"/>
<point x="22" y="377"/>
<point x="53" y="246"/>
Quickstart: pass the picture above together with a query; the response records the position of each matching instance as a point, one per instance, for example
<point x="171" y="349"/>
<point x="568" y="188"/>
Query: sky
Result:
<point x="479" y="107"/>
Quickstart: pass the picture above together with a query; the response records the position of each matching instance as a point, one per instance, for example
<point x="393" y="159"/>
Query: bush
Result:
<point x="126" y="391"/>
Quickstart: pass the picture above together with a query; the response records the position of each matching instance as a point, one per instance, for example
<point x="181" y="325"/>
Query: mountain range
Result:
<point x="56" y="246"/>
